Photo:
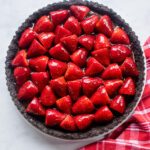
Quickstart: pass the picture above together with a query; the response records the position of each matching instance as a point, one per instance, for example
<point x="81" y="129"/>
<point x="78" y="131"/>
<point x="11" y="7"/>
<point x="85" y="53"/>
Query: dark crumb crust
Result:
<point x="95" y="130"/>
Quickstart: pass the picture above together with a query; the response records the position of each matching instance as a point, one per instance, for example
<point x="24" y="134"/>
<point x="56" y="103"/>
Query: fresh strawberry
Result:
<point x="82" y="106"/>
<point x="47" y="97"/>
<point x="113" y="71"/>
<point x="57" y="68"/>
<point x="119" y="36"/>
<point x="27" y="91"/>
<point x="46" y="39"/>
<point x="74" y="88"/>
<point x="79" y="12"/>
<point x="40" y="79"/>
<point x="36" y="49"/>
<point x="26" y="38"/>
<point x="105" y="25"/>
<point x="43" y="24"/>
<point x="79" y="57"/>
<point x="38" y="64"/>
<point x="64" y="104"/>
<point x="59" y="52"/>
<point x="100" y="97"/>
<point x="84" y="121"/>
<point x="93" y="67"/>
<point x="59" y="86"/>
<point x="21" y="75"/>
<point x="53" y="117"/>
<point x="118" y="104"/>
<point x="73" y="25"/>
<point x="129" y="67"/>
<point x="128" y="87"/>
<point x="89" y="24"/>
<point x="103" y="115"/>
<point x="35" y="108"/>
<point x="101" y="41"/>
<point x="73" y="72"/>
<point x="59" y="16"/>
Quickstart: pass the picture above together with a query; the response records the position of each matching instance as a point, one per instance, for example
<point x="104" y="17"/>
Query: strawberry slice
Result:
<point x="59" y="16"/>
<point x="100" y="97"/>
<point x="84" y="121"/>
<point x="46" y="39"/>
<point x="40" y="79"/>
<point x="59" y="52"/>
<point x="105" y="25"/>
<point x="27" y="91"/>
<point x="73" y="72"/>
<point x="36" y="49"/>
<point x="38" y="64"/>
<point x="47" y="97"/>
<point x="20" y="59"/>
<point x="128" y="87"/>
<point x="21" y="75"/>
<point x="119" y="52"/>
<point x="43" y="24"/>
<point x="87" y="41"/>
<point x="82" y="106"/>
<point x="64" y="104"/>
<point x="79" y="57"/>
<point x="103" y="115"/>
<point x="73" y="25"/>
<point x="74" y="88"/>
<point x="118" y="104"/>
<point x="119" y="36"/>
<point x="35" y="108"/>
<point x="57" y="68"/>
<point x="129" y="67"/>
<point x="89" y="24"/>
<point x="79" y="12"/>
<point x="102" y="56"/>
<point x="93" y="67"/>
<point x="113" y="71"/>
<point x="59" y="86"/>
<point x="53" y="117"/>
<point x="26" y="38"/>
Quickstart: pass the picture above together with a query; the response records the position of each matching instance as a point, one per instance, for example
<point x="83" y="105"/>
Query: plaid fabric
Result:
<point x="134" y="134"/>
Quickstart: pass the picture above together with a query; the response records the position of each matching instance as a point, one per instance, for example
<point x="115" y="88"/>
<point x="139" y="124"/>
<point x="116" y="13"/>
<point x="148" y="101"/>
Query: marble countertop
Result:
<point x="15" y="133"/>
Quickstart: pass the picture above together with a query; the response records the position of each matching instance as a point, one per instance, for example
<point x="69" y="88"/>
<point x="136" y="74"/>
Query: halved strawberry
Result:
<point x="59" y="52"/>
<point x="38" y="64"/>
<point x="128" y="87"/>
<point x="64" y="104"/>
<point x="43" y="24"/>
<point x="79" y="57"/>
<point x="79" y="12"/>
<point x="40" y="79"/>
<point x="27" y="91"/>
<point x="105" y="25"/>
<point x="119" y="36"/>
<point x="57" y="68"/>
<point x="113" y="71"/>
<point x="35" y="108"/>
<point x="20" y="59"/>
<point x="36" y="49"/>
<point x="46" y="39"/>
<point x="47" y="97"/>
<point x="89" y="24"/>
<point x="73" y="72"/>
<point x="100" y="97"/>
<point x="82" y="106"/>
<point x="21" y="75"/>
<point x="103" y="115"/>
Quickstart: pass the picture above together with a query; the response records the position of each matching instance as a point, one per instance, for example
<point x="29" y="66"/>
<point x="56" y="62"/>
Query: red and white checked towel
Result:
<point x="135" y="133"/>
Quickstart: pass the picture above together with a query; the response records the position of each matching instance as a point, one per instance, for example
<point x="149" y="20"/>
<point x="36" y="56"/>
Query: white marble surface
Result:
<point x="15" y="133"/>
